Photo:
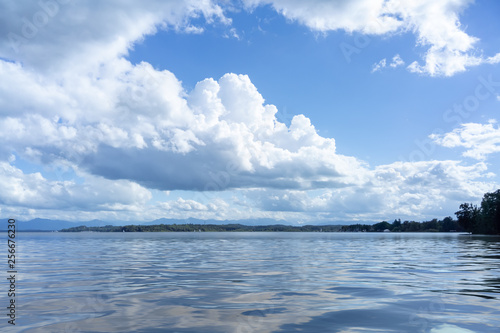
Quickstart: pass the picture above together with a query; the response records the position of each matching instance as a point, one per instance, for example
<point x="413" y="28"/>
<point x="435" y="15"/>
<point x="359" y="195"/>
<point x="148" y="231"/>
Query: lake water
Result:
<point x="256" y="282"/>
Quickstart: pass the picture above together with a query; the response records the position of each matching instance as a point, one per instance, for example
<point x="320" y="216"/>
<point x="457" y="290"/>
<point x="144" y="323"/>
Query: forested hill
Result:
<point x="446" y="225"/>
<point x="205" y="227"/>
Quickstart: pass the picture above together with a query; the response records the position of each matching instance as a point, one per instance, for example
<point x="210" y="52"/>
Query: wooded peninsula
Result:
<point x="484" y="219"/>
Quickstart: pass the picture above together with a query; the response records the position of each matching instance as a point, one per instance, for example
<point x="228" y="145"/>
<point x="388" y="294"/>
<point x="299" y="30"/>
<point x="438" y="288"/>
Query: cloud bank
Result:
<point x="72" y="101"/>
<point x="165" y="138"/>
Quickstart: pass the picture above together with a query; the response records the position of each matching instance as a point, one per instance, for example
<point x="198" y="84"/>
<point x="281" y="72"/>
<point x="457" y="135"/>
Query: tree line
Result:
<point x="205" y="228"/>
<point x="484" y="219"/>
<point x="446" y="225"/>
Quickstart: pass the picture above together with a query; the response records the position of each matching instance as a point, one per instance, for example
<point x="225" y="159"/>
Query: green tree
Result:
<point x="432" y="225"/>
<point x="381" y="226"/>
<point x="489" y="223"/>
<point x="449" y="224"/>
<point x="468" y="217"/>
<point x="415" y="226"/>
<point x="396" y="225"/>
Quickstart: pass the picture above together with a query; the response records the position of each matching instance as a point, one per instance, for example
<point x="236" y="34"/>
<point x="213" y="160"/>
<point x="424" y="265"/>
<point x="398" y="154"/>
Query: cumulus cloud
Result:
<point x="436" y="25"/>
<point x="480" y="140"/>
<point x="87" y="108"/>
<point x="194" y="207"/>
<point x="220" y="135"/>
<point x="43" y="33"/>
<point x="33" y="191"/>
<point x="124" y="121"/>
<point x="399" y="189"/>
<point x="371" y="17"/>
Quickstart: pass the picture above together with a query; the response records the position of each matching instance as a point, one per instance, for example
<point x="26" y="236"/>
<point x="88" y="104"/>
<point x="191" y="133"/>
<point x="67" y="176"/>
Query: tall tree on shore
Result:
<point x="483" y="220"/>
<point x="490" y="213"/>
<point x="468" y="217"/>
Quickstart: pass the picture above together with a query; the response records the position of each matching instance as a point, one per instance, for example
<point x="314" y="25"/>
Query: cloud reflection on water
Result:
<point x="277" y="282"/>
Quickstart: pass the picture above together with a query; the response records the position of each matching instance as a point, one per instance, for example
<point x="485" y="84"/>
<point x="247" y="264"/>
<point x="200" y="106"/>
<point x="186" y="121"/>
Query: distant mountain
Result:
<point x="39" y="224"/>
<point x="51" y="225"/>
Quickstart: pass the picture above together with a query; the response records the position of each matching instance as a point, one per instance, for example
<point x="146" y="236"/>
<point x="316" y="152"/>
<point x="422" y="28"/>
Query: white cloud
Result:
<point x="132" y="123"/>
<point x="103" y="29"/>
<point x="183" y="206"/>
<point x="186" y="205"/>
<point x="191" y="29"/>
<point x="137" y="123"/>
<point x="406" y="190"/>
<point x="378" y="66"/>
<point x="436" y="24"/>
<point x="396" y="61"/>
<point x="371" y="17"/>
<point x="480" y="140"/>
<point x="232" y="33"/>
<point x="445" y="328"/>
<point x="32" y="190"/>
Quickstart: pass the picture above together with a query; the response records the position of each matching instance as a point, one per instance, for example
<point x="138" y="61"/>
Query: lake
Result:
<point x="256" y="282"/>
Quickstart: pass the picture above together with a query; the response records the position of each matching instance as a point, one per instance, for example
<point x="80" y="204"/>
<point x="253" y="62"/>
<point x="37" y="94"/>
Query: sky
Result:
<point x="310" y="112"/>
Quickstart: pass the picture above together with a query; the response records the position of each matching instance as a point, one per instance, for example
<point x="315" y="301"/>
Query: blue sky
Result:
<point x="310" y="112"/>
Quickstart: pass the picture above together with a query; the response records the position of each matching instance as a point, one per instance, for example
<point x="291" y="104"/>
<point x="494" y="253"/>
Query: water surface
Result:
<point x="257" y="282"/>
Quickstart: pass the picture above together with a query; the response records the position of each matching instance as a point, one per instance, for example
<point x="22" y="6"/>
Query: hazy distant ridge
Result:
<point x="52" y="225"/>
